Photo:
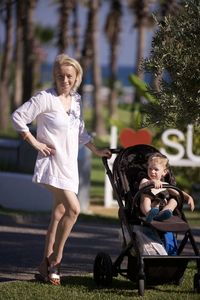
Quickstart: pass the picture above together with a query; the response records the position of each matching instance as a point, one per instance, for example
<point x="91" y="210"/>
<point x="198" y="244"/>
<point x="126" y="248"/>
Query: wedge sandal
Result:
<point x="54" y="275"/>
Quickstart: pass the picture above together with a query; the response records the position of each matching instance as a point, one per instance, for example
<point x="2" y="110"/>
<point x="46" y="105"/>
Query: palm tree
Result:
<point x="76" y="32"/>
<point x="65" y="10"/>
<point x="112" y="29"/>
<point x="143" y="19"/>
<point x="29" y="46"/>
<point x="43" y="36"/>
<point x="98" y="120"/>
<point x="18" y="78"/>
<point x="90" y="57"/>
<point x="87" y="49"/>
<point x="6" y="13"/>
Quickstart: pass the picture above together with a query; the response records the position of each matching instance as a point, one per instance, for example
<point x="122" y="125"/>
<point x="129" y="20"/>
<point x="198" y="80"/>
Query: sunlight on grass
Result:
<point x="97" y="180"/>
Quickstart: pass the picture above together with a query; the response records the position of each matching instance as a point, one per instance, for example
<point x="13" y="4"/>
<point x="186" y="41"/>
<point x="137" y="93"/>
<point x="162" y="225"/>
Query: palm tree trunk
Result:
<point x="63" y="35"/>
<point x="5" y="68"/>
<point x="139" y="55"/>
<point x="76" y="32"/>
<point x="112" y="29"/>
<point x="29" y="45"/>
<point x="18" y="80"/>
<point x="98" y="120"/>
<point x="87" y="50"/>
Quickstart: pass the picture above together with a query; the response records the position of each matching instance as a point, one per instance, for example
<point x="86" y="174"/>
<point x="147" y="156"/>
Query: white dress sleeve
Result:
<point x="28" y="112"/>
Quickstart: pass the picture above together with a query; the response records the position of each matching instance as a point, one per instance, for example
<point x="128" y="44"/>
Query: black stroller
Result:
<point x="129" y="167"/>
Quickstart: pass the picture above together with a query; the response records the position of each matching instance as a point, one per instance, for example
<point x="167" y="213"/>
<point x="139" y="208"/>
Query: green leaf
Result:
<point x="141" y="86"/>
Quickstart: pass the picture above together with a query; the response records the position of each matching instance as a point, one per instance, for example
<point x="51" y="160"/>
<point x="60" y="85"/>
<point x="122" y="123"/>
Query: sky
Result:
<point x="46" y="14"/>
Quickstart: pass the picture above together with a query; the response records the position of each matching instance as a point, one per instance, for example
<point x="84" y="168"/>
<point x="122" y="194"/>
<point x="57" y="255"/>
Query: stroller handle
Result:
<point x="105" y="159"/>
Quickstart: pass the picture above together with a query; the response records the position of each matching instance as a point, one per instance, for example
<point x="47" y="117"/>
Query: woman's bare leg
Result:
<point x="65" y="211"/>
<point x="64" y="226"/>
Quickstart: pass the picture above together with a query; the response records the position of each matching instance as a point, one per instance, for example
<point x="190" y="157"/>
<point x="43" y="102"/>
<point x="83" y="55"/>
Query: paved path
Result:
<point x="21" y="247"/>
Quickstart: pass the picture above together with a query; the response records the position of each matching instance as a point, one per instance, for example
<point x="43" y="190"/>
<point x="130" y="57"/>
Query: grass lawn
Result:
<point x="97" y="180"/>
<point x="84" y="288"/>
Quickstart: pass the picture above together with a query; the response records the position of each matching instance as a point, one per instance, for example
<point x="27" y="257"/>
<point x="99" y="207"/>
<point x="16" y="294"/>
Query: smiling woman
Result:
<point x="57" y="142"/>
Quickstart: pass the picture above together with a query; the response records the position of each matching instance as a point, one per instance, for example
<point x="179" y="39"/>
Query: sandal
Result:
<point x="54" y="275"/>
<point x="42" y="276"/>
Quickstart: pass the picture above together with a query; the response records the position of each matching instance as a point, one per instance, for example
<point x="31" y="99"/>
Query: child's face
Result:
<point x="156" y="170"/>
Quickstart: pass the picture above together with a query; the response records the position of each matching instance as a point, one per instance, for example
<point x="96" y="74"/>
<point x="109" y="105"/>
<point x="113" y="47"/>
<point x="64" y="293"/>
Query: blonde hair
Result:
<point x="64" y="59"/>
<point x="159" y="158"/>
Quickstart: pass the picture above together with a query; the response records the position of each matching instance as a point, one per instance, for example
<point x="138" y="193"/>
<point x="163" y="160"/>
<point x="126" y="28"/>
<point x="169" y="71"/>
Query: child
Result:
<point x="159" y="203"/>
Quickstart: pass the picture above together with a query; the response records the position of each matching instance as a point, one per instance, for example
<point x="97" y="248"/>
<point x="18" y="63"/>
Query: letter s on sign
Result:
<point x="173" y="144"/>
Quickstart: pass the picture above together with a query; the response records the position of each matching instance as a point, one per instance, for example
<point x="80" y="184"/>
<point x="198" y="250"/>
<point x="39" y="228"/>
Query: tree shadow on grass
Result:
<point x="118" y="286"/>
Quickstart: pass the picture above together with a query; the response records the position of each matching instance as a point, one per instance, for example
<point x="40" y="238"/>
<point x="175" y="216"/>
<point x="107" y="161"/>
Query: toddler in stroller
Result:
<point x="130" y="183"/>
<point x="159" y="203"/>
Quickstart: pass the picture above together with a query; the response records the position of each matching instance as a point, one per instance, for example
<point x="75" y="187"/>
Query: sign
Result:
<point x="184" y="156"/>
<point x="129" y="137"/>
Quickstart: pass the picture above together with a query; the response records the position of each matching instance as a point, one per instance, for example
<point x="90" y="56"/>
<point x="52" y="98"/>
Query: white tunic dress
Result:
<point x="63" y="132"/>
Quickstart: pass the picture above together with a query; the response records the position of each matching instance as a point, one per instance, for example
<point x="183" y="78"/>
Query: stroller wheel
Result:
<point x="197" y="283"/>
<point x="102" y="270"/>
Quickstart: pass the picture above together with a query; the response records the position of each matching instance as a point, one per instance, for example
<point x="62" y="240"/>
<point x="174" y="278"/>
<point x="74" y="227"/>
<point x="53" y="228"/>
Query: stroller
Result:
<point x="143" y="267"/>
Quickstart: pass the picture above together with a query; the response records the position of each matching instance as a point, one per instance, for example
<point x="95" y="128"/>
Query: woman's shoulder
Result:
<point x="44" y="98"/>
<point x="46" y="93"/>
<point x="43" y="93"/>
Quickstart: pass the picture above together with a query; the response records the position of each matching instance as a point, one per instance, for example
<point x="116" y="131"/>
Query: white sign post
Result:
<point x="108" y="192"/>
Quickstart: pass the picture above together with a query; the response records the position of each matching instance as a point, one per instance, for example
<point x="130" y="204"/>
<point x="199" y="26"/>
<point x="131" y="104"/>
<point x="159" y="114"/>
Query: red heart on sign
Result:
<point x="128" y="137"/>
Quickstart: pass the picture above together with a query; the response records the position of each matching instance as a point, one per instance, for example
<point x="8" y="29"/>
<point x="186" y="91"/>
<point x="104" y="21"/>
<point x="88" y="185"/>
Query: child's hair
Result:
<point x="159" y="158"/>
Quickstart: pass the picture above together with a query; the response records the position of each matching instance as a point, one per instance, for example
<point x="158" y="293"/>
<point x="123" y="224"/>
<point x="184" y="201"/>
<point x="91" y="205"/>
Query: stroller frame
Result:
<point x="144" y="269"/>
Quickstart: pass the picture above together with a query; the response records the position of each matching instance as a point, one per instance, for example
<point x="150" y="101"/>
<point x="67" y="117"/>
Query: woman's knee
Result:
<point x="71" y="203"/>
<point x="73" y="212"/>
<point x="58" y="211"/>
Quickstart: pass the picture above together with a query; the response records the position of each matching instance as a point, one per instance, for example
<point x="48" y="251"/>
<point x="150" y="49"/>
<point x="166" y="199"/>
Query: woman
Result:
<point x="60" y="130"/>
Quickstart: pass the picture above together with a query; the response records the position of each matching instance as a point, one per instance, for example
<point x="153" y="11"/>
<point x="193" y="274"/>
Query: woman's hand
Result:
<point x="40" y="147"/>
<point x="44" y="149"/>
<point x="103" y="153"/>
<point x="99" y="152"/>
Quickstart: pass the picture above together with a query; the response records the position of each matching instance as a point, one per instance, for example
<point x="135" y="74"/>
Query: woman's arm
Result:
<point x="99" y="152"/>
<point x="43" y="148"/>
